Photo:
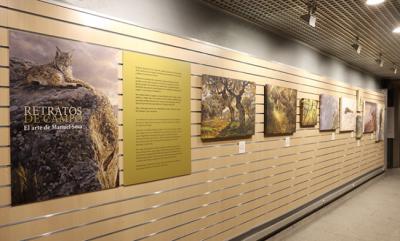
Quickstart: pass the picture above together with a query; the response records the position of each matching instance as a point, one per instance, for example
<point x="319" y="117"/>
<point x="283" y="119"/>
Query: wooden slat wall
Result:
<point x="228" y="193"/>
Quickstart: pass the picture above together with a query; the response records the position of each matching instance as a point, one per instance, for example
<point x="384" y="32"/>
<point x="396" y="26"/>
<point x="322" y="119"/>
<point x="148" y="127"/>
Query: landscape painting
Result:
<point x="370" y="116"/>
<point x="308" y="112"/>
<point x="279" y="110"/>
<point x="227" y="108"/>
<point x="329" y="112"/>
<point x="63" y="113"/>
<point x="348" y="114"/>
<point x="359" y="127"/>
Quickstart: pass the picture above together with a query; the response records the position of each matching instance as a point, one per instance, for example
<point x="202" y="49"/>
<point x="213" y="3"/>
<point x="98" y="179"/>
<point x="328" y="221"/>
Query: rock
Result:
<point x="59" y="162"/>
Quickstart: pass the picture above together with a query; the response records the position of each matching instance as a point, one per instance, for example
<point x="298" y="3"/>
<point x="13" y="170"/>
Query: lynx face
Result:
<point x="63" y="59"/>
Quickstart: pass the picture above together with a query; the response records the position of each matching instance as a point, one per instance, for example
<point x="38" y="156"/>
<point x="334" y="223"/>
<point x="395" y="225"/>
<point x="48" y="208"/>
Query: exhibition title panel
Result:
<point x="156" y="118"/>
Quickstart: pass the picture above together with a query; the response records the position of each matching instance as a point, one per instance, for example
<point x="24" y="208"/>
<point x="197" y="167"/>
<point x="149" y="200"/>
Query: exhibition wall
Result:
<point x="231" y="188"/>
<point x="195" y="19"/>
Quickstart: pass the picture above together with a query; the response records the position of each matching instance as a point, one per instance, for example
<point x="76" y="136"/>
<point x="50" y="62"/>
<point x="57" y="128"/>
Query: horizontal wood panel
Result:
<point x="5" y="199"/>
<point x="4" y="136"/>
<point x="4" y="155"/>
<point x="5" y="178"/>
<point x="227" y="193"/>
<point x="4" y="77"/>
<point x="3" y="56"/>
<point x="4" y="97"/>
<point x="3" y="37"/>
<point x="4" y="117"/>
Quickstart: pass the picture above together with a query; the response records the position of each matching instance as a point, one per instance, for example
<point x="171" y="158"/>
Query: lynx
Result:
<point x="56" y="73"/>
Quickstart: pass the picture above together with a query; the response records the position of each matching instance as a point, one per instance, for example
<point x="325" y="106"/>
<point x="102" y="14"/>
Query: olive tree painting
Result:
<point x="279" y="110"/>
<point x="63" y="113"/>
<point x="348" y="112"/>
<point x="328" y="112"/>
<point x="308" y="112"/>
<point x="370" y="115"/>
<point x="227" y="108"/>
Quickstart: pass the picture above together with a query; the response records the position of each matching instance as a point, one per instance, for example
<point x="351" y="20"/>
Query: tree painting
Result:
<point x="308" y="112"/>
<point x="279" y="110"/>
<point x="227" y="108"/>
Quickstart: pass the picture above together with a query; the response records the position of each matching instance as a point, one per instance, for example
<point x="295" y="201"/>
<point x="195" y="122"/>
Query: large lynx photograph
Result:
<point x="63" y="111"/>
<point x="227" y="108"/>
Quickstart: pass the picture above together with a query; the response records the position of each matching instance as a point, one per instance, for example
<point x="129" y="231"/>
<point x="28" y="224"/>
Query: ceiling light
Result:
<point x="379" y="60"/>
<point x="396" y="30"/>
<point x="311" y="17"/>
<point x="394" y="68"/>
<point x="356" y="45"/>
<point x="374" y="2"/>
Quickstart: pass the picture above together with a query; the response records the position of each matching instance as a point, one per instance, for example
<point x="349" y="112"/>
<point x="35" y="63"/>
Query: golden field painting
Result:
<point x="227" y="108"/>
<point x="279" y="110"/>
<point x="308" y="112"/>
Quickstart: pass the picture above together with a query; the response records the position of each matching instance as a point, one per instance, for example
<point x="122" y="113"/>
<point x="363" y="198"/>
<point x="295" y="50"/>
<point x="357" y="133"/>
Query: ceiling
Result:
<point x="338" y="24"/>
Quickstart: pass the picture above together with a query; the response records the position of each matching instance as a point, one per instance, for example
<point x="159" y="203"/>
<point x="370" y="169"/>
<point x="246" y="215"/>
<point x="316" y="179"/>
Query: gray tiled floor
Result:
<point x="371" y="213"/>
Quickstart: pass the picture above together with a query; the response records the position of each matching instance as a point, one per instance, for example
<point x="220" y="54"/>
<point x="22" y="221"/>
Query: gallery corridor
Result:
<point x="371" y="213"/>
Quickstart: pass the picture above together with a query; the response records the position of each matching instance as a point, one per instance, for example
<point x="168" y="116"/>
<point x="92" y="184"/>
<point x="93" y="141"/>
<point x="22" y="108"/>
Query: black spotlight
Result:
<point x="311" y="17"/>
<point x="357" y="46"/>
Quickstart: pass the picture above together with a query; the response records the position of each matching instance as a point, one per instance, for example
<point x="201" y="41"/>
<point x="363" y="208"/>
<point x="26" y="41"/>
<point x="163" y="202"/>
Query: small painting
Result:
<point x="227" y="108"/>
<point x="329" y="112"/>
<point x="308" y="112"/>
<point x="380" y="123"/>
<point x="359" y="101"/>
<point x="370" y="115"/>
<point x="359" y="127"/>
<point x="279" y="110"/>
<point x="347" y="114"/>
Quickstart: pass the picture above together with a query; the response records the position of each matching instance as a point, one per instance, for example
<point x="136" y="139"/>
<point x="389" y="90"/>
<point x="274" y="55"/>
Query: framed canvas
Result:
<point x="279" y="110"/>
<point x="347" y="114"/>
<point x="370" y="116"/>
<point x="308" y="112"/>
<point x="328" y="112"/>
<point x="227" y="108"/>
